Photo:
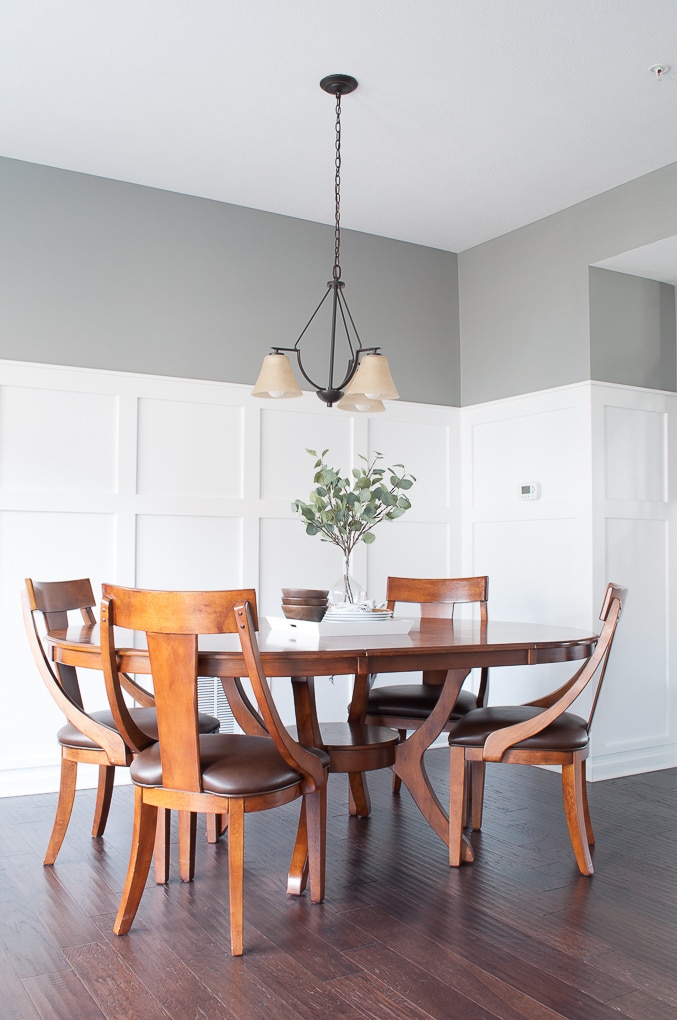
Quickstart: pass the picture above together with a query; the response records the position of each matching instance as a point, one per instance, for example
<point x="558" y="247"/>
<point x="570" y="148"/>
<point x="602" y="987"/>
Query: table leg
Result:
<point x="308" y="732"/>
<point x="305" y="708"/>
<point x="359" y="801"/>
<point x="410" y="767"/>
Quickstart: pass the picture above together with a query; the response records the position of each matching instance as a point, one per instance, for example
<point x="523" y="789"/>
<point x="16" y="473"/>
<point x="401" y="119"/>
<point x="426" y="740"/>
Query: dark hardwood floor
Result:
<point x="400" y="936"/>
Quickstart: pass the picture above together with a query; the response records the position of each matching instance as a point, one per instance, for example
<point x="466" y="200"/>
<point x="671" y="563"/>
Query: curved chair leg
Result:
<point x="397" y="782"/>
<point x="143" y="839"/>
<point x="64" y="807"/>
<point x="586" y="806"/>
<point x="575" y="814"/>
<point x="236" y="874"/>
<point x="104" y="793"/>
<point x="298" y="869"/>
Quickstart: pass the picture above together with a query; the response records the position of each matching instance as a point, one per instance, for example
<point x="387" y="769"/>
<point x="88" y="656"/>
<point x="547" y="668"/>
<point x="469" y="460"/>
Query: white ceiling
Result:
<point x="471" y="118"/>
<point x="657" y="261"/>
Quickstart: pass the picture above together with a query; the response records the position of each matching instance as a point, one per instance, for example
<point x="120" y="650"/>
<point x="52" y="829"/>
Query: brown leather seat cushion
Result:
<point x="568" y="733"/>
<point x="414" y="701"/>
<point x="232" y="764"/>
<point x="145" y="719"/>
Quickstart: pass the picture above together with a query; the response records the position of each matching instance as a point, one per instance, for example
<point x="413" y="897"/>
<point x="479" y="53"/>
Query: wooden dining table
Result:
<point x="453" y="648"/>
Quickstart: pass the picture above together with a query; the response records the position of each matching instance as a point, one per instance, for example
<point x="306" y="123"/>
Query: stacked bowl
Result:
<point x="304" y="603"/>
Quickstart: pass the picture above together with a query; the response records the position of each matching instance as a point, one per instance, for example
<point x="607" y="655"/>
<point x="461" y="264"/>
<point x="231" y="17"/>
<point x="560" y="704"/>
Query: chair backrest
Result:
<point x="51" y="602"/>
<point x="439" y="596"/>
<point x="592" y="671"/>
<point x="54" y="600"/>
<point x="172" y="622"/>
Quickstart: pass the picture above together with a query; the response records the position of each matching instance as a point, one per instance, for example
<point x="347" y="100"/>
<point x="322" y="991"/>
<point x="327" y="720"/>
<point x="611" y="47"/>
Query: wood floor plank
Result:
<point x="376" y="1000"/>
<point x="456" y="951"/>
<point x="62" y="995"/>
<point x="24" y="939"/>
<point x="16" y="1001"/>
<point x="111" y="984"/>
<point x="418" y="986"/>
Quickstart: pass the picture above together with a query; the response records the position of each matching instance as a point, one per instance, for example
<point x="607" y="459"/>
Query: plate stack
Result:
<point x="304" y="603"/>
<point x="365" y="613"/>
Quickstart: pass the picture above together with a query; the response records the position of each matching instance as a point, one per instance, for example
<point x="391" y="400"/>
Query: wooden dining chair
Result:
<point x="407" y="706"/>
<point x="89" y="737"/>
<point x="226" y="773"/>
<point x="543" y="732"/>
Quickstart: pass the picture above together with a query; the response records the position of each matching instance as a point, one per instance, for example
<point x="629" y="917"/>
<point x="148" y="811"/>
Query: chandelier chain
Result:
<point x="337" y="193"/>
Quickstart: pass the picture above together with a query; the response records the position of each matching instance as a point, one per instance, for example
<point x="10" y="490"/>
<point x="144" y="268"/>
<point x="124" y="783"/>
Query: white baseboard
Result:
<point x="631" y="763"/>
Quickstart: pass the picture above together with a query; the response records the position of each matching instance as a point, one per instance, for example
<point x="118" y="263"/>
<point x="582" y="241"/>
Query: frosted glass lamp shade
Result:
<point x="373" y="379"/>
<point x="276" y="379"/>
<point x="360" y="402"/>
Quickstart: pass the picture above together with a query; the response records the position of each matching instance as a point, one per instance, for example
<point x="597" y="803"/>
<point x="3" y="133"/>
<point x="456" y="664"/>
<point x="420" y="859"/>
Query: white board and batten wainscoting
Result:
<point x="163" y="482"/>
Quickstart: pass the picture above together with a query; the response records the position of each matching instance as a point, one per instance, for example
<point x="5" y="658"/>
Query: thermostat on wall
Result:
<point x="530" y="490"/>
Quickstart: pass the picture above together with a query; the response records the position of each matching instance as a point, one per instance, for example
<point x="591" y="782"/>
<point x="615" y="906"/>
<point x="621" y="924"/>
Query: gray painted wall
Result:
<point x="632" y="330"/>
<point x="104" y="274"/>
<point x="524" y="303"/>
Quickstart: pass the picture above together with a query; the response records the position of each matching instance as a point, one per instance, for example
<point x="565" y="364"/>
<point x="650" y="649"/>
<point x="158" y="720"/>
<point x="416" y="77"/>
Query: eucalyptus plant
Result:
<point x="345" y="510"/>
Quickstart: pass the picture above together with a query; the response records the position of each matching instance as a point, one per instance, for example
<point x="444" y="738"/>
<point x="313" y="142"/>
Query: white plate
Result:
<point x="356" y="615"/>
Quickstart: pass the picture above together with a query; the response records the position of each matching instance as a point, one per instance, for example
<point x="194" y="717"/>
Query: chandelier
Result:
<point x="358" y="378"/>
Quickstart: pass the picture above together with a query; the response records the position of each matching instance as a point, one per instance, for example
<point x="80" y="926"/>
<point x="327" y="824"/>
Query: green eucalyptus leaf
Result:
<point x="344" y="510"/>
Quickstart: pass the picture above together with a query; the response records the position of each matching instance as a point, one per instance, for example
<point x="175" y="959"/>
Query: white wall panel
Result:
<point x="424" y="449"/>
<point x="408" y="548"/>
<point x="189" y="448"/>
<point x="537" y="553"/>
<point x="188" y="552"/>
<point x="634" y="709"/>
<point x="45" y="546"/>
<point x="635" y="453"/>
<point x="61" y="440"/>
<point x="534" y="568"/>
<point x="286" y="470"/>
<point x="292" y="559"/>
<point x="515" y="447"/>
<point x="634" y="442"/>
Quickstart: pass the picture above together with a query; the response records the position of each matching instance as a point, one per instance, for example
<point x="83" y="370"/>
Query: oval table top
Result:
<point x="430" y="644"/>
